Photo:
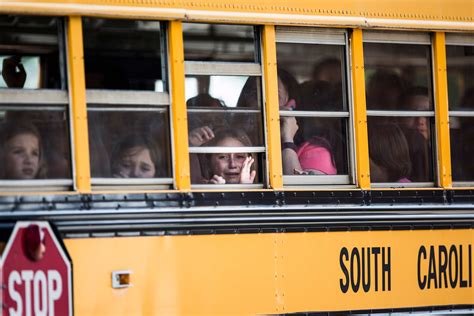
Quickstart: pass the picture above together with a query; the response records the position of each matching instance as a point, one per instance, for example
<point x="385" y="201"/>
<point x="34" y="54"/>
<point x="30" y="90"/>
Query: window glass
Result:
<point x="460" y="63"/>
<point x="314" y="110"/>
<point x="224" y="102"/>
<point x="392" y="71"/>
<point x="34" y="138"/>
<point x="398" y="153"/>
<point x="319" y="74"/>
<point x="232" y="101"/>
<point x="219" y="42"/>
<point x="129" y="143"/>
<point x="123" y="54"/>
<point x="128" y="130"/>
<point x="34" y="144"/>
<point x="29" y="52"/>
<point x="399" y="80"/>
<point x="322" y="147"/>
<point x="462" y="148"/>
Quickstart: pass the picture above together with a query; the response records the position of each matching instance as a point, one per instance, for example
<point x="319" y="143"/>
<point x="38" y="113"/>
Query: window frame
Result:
<point x="44" y="100"/>
<point x="110" y="100"/>
<point x="224" y="68"/>
<point x="324" y="36"/>
<point x="413" y="38"/>
<point x="455" y="39"/>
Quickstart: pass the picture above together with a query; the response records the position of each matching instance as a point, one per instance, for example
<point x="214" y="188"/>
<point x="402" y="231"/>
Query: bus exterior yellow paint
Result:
<point x="272" y="110"/>
<point x="445" y="15"/>
<point x="178" y="107"/>
<point x="441" y="110"/>
<point x="273" y="273"/>
<point x="360" y="110"/>
<point x="77" y="96"/>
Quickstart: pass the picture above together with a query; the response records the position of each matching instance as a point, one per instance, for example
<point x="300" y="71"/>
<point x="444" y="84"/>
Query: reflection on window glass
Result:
<point x="392" y="71"/>
<point x="123" y="54"/>
<point x="399" y="153"/>
<point x="34" y="145"/>
<point x="460" y="65"/>
<point x="218" y="42"/>
<point x="29" y="52"/>
<point x="129" y="144"/>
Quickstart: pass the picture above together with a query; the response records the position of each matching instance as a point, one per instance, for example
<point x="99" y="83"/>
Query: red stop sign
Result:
<point x="36" y="273"/>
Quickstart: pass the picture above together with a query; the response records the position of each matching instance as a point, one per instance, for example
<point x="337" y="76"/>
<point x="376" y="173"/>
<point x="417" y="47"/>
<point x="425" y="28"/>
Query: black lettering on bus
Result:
<point x="344" y="285"/>
<point x="462" y="283"/>
<point x="366" y="285"/>
<point x="355" y="284"/>
<point x="432" y="269"/>
<point x="470" y="266"/>
<point x="376" y="252"/>
<point x="453" y="257"/>
<point x="421" y="282"/>
<point x="386" y="269"/>
<point x="443" y="265"/>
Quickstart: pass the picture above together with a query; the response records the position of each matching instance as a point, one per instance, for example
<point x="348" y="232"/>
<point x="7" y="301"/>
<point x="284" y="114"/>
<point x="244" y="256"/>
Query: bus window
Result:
<point x="123" y="54"/>
<point x="34" y="138"/>
<point x="224" y="103"/>
<point x="460" y="66"/>
<point x="400" y="109"/>
<point x="314" y="108"/>
<point x="128" y="103"/>
<point x="29" y="52"/>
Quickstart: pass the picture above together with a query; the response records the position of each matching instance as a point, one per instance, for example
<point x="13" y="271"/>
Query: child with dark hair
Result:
<point x="136" y="156"/>
<point x="229" y="168"/>
<point x="389" y="155"/>
<point x="384" y="90"/>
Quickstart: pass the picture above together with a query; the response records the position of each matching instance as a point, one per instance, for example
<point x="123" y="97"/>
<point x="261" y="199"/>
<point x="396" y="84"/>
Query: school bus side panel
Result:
<point x="273" y="273"/>
<point x="174" y="275"/>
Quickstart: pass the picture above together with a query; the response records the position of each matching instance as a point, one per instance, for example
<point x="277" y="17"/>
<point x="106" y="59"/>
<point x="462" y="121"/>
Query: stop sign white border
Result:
<point x="24" y="224"/>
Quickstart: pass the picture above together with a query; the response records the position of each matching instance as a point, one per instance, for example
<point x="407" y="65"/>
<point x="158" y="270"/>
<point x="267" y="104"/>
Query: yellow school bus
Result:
<point x="245" y="157"/>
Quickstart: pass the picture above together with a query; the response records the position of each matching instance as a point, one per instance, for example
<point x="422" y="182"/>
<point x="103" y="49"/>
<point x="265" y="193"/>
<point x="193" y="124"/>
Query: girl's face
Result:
<point x="228" y="166"/>
<point x="420" y="124"/>
<point x="22" y="155"/>
<point x="136" y="163"/>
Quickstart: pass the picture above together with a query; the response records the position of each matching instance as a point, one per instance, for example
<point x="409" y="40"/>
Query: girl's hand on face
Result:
<point x="120" y="174"/>
<point x="200" y="135"/>
<point x="217" y="180"/>
<point x="246" y="174"/>
<point x="290" y="105"/>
